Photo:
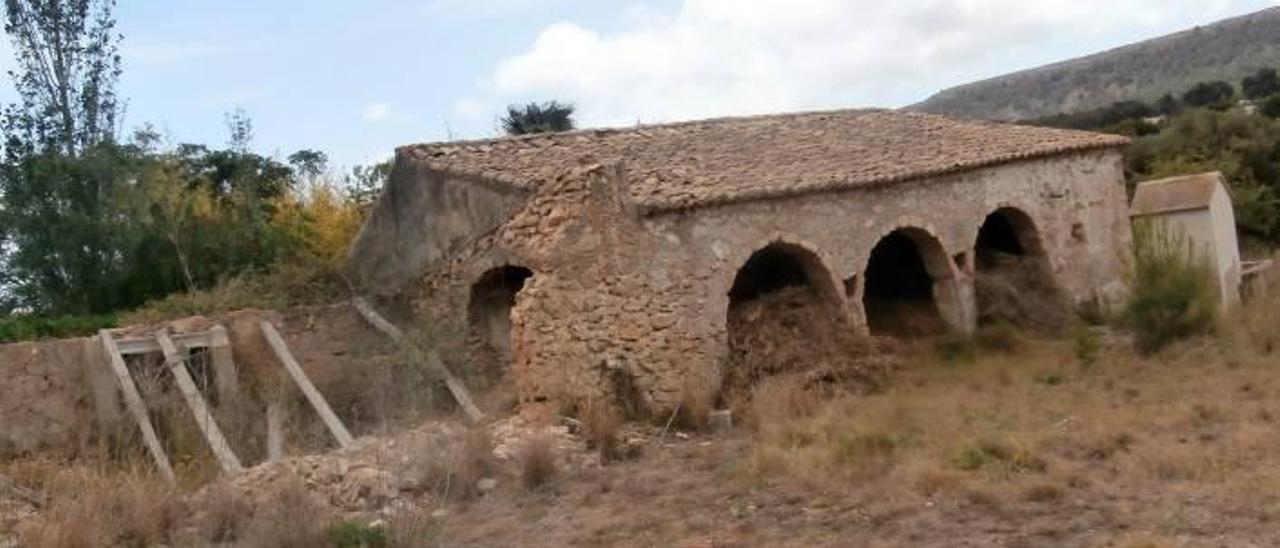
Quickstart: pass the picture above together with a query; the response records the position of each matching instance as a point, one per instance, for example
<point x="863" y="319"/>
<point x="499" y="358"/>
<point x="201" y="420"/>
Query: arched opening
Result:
<point x="903" y="278"/>
<point x="785" y="315"/>
<point x="1012" y="279"/>
<point x="489" y="311"/>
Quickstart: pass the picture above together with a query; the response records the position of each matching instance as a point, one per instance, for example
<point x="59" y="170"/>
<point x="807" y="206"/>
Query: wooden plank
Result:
<point x="147" y="345"/>
<point x="133" y="402"/>
<point x="275" y="432"/>
<point x="199" y="409"/>
<point x="431" y="358"/>
<point x="276" y="342"/>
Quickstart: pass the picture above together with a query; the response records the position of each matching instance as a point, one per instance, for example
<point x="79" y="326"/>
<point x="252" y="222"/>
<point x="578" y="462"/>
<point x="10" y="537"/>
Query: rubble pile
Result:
<point x="794" y="331"/>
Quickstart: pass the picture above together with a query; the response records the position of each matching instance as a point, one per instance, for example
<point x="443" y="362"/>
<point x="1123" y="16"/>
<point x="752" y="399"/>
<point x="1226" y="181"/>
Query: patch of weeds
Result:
<point x="537" y="462"/>
<point x="1050" y="378"/>
<point x="353" y="534"/>
<point x="955" y="350"/>
<point x="798" y="439"/>
<point x="860" y="446"/>
<point x="1044" y="492"/>
<point x="994" y="454"/>
<point x="998" y="337"/>
<point x="1086" y="344"/>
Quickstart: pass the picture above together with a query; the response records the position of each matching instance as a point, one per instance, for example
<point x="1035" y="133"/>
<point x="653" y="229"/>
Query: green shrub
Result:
<point x="29" y="328"/>
<point x="351" y="534"/>
<point x="1173" y="297"/>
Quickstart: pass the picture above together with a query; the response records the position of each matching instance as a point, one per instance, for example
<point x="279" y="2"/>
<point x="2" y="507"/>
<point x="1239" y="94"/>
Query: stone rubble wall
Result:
<point x="619" y="299"/>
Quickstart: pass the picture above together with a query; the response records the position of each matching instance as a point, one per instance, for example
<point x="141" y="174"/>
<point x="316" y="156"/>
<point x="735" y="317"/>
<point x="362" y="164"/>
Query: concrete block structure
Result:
<point x="1197" y="208"/>
<point x="600" y="261"/>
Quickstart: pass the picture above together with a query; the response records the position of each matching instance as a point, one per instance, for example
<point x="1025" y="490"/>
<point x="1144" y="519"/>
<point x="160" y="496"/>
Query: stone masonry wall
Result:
<point x="622" y="301"/>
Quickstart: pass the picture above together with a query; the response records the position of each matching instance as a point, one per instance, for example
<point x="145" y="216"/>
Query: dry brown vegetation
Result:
<point x="1009" y="439"/>
<point x="537" y="462"/>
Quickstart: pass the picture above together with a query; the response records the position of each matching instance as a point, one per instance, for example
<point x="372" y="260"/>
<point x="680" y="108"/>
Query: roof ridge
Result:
<point x="718" y="120"/>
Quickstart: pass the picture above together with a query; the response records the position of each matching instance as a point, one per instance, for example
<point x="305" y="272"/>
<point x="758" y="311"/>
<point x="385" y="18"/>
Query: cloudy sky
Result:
<point x="356" y="79"/>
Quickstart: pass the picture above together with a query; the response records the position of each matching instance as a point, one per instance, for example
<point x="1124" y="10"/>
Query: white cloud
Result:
<point x="375" y="113"/>
<point x="720" y="57"/>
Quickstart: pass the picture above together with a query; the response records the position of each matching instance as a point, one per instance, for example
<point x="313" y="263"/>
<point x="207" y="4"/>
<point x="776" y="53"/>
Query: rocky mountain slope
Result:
<point x="1227" y="50"/>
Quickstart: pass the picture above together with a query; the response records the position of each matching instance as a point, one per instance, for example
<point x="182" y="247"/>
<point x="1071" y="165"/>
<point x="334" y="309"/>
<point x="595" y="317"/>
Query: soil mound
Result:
<point x="794" y="331"/>
<point x="1019" y="290"/>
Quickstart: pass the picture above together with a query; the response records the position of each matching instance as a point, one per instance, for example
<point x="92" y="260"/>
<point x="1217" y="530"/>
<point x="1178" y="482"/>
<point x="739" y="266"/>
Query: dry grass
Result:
<point x="452" y="471"/>
<point x="1033" y="423"/>
<point x="226" y="513"/>
<point x="696" y="402"/>
<point x="90" y="508"/>
<point x="600" y="429"/>
<point x="290" y="519"/>
<point x="537" y="462"/>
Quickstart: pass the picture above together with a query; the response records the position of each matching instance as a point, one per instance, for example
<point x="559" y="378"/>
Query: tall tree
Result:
<point x="547" y="117"/>
<point x="67" y="67"/>
<point x="62" y="181"/>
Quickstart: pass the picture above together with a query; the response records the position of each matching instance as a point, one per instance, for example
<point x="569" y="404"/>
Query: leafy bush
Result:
<point x="26" y="328"/>
<point x="1209" y="93"/>
<point x="351" y="534"/>
<point x="1173" y="297"/>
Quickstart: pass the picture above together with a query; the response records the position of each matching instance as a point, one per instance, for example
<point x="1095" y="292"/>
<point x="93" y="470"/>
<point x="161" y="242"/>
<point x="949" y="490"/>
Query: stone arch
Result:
<point x="1013" y="279"/>
<point x="782" y="303"/>
<point x="489" y="308"/>
<point x="910" y="287"/>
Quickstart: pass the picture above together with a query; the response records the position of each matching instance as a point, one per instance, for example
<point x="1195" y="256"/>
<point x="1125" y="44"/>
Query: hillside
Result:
<point x="1226" y="50"/>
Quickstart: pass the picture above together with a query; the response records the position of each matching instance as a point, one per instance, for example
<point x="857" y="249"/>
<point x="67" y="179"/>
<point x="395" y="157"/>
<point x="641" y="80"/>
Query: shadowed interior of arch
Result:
<point x="489" y="310"/>
<point x="898" y="297"/>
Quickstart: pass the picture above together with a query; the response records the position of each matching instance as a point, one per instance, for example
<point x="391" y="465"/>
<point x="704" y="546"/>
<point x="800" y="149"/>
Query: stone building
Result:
<point x="1198" y="210"/>
<point x="602" y="261"/>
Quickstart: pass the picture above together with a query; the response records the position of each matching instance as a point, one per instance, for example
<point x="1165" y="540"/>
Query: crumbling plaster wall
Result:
<point x="623" y="305"/>
<point x="422" y="218"/>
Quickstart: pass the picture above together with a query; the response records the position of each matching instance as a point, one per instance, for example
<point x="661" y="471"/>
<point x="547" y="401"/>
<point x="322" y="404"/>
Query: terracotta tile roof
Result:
<point x="1175" y="194"/>
<point x="692" y="164"/>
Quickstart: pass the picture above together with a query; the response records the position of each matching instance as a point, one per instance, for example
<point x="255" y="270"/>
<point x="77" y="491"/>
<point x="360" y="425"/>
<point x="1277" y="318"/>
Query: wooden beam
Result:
<point x="204" y="419"/>
<point x="430" y="357"/>
<point x="129" y="346"/>
<point x="133" y="402"/>
<point x="299" y="376"/>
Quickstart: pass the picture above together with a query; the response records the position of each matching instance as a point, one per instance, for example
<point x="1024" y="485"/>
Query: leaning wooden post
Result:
<point x="133" y="402"/>
<point x="431" y="358"/>
<point x="204" y="419"/>
<point x="299" y="376"/>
